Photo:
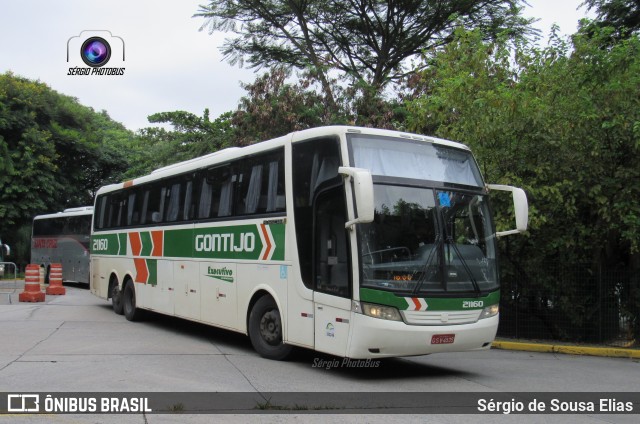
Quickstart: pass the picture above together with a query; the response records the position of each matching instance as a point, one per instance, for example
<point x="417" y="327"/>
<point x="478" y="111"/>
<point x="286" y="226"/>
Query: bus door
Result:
<point x="331" y="269"/>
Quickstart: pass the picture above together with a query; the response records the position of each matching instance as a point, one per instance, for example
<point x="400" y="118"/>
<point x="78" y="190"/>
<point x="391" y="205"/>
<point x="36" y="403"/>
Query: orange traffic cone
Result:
<point x="31" y="291"/>
<point x="55" y="280"/>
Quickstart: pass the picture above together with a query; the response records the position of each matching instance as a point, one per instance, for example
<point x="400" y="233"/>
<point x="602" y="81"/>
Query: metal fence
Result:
<point x="8" y="282"/>
<point x="578" y="303"/>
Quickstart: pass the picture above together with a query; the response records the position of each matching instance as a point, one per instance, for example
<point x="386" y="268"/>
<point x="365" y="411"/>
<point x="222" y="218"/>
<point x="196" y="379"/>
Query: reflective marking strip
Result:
<point x="267" y="242"/>
<point x="344" y="320"/>
<point x="416" y="302"/>
<point x="419" y="303"/>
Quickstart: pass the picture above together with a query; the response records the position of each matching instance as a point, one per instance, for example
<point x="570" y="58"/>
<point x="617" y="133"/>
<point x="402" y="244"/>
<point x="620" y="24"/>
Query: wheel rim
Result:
<point x="270" y="327"/>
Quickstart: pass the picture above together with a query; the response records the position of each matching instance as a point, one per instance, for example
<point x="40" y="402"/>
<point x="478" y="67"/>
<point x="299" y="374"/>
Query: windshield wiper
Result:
<point x="452" y="243"/>
<point x="442" y="263"/>
<point x="423" y="278"/>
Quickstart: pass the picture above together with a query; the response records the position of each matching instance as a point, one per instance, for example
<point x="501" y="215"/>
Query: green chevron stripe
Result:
<point x="152" y="266"/>
<point x="147" y="244"/>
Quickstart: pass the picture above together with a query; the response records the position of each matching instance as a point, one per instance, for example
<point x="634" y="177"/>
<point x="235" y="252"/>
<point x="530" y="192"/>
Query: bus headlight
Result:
<point x="377" y="311"/>
<point x="489" y="311"/>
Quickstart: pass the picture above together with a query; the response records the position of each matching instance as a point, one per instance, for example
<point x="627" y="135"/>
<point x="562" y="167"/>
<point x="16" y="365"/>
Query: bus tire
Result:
<point x="265" y="330"/>
<point x="116" y="299"/>
<point x="131" y="312"/>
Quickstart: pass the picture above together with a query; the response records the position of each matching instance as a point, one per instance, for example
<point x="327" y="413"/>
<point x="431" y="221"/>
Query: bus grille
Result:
<point x="441" y="317"/>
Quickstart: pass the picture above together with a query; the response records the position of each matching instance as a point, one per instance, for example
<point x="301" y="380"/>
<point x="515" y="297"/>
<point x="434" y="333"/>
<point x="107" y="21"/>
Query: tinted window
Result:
<point x="248" y="186"/>
<point x="315" y="163"/>
<point x="261" y="185"/>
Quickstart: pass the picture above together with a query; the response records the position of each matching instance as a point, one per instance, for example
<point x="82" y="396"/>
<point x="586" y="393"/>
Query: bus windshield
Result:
<point x="425" y="241"/>
<point x="421" y="160"/>
<point x="432" y="233"/>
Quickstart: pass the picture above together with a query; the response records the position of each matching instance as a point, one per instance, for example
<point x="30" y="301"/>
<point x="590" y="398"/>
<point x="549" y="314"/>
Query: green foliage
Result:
<point x="273" y="107"/>
<point x="623" y="15"/>
<point x="561" y="122"/>
<point x="363" y="41"/>
<point x="54" y="152"/>
<point x="191" y="136"/>
<point x="556" y="121"/>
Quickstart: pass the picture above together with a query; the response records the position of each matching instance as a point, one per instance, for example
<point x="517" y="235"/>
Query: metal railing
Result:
<point x="8" y="285"/>
<point x="580" y="303"/>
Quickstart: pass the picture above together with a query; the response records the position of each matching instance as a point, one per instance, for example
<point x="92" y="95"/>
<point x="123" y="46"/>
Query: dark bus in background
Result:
<point x="63" y="238"/>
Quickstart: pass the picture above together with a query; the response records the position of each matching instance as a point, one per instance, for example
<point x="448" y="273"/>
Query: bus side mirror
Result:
<point x="6" y="249"/>
<point x="363" y="194"/>
<point x="520" y="206"/>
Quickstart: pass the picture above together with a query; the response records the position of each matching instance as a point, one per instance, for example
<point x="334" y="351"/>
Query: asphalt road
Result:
<point x="75" y="343"/>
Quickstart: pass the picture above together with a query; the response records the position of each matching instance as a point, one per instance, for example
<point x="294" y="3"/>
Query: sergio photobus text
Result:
<point x="345" y="363"/>
<point x="80" y="70"/>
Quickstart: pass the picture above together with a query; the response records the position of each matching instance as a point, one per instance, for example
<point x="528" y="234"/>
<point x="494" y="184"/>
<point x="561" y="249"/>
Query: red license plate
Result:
<point x="442" y="338"/>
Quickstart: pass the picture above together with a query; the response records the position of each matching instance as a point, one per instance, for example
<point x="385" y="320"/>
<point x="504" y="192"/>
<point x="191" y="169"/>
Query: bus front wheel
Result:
<point x="131" y="312"/>
<point x="265" y="330"/>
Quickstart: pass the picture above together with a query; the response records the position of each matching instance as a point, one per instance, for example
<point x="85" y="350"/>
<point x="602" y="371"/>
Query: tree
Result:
<point x="273" y="107"/>
<point x="370" y="41"/>
<point x="564" y="123"/>
<point x="624" y="15"/>
<point x="54" y="152"/>
<point x="191" y="136"/>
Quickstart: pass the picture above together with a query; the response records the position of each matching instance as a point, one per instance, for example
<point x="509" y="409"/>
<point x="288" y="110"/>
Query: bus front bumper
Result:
<point x="379" y="338"/>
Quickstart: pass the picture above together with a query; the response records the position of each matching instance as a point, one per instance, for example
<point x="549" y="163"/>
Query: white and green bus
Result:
<point x="357" y="242"/>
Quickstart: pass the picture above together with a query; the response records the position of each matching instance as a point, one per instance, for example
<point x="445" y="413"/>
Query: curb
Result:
<point x="568" y="349"/>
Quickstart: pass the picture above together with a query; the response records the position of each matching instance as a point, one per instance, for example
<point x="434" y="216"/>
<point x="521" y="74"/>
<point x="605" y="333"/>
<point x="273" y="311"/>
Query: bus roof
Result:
<point x="231" y="153"/>
<point x="83" y="210"/>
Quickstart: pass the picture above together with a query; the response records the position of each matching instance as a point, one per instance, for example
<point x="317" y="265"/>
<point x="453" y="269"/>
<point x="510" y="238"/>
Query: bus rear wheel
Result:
<point x="265" y="330"/>
<point x="116" y="299"/>
<point x="131" y="312"/>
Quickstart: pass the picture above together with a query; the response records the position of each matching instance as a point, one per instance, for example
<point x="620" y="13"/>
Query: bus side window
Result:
<point x="252" y="198"/>
<point x="145" y="207"/>
<point x="173" y="203"/>
<point x="309" y="173"/>
<point x="225" y="205"/>
<point x="206" y="197"/>
<point x="113" y="212"/>
<point x="260" y="184"/>
<point x="132" y="213"/>
<point x="216" y="193"/>
<point x="188" y="208"/>
<point x="152" y="204"/>
<point x="100" y="212"/>
<point x="120" y="211"/>
<point x="275" y="187"/>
